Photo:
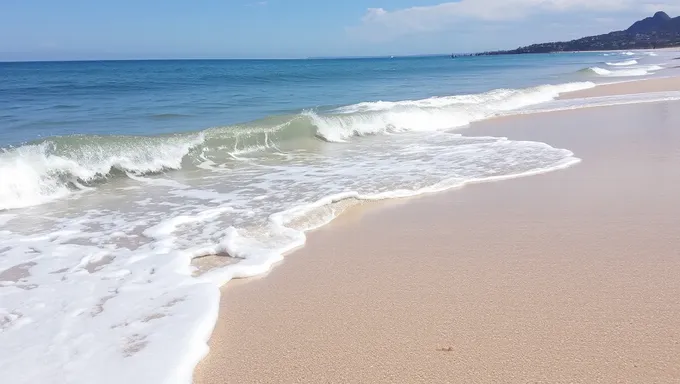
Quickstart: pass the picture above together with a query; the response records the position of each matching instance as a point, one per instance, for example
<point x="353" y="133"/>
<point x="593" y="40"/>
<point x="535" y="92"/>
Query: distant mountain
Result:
<point x="658" y="31"/>
<point x="659" y="23"/>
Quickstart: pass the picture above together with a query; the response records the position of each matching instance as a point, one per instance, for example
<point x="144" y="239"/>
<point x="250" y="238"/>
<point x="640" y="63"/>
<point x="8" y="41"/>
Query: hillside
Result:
<point x="658" y="31"/>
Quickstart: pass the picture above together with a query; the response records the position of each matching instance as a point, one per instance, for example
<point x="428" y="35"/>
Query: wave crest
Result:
<point x="622" y="63"/>
<point x="37" y="173"/>
<point x="628" y="72"/>
<point x="436" y="113"/>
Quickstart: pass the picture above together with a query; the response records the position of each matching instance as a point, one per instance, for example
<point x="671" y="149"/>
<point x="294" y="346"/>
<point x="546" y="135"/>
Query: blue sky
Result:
<point x="101" y="29"/>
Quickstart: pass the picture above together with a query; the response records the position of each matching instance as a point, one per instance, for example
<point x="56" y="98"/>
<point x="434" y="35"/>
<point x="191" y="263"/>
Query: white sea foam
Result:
<point x="104" y="291"/>
<point x="28" y="177"/>
<point x="623" y="63"/>
<point x="435" y="113"/>
<point x="101" y="289"/>
<point x="632" y="72"/>
<point x="35" y="174"/>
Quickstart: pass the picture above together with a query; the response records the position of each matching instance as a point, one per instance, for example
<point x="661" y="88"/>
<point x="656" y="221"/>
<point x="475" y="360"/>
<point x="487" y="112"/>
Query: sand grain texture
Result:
<point x="567" y="277"/>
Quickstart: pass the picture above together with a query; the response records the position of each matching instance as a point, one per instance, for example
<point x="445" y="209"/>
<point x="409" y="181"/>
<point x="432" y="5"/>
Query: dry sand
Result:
<point x="664" y="84"/>
<point x="567" y="277"/>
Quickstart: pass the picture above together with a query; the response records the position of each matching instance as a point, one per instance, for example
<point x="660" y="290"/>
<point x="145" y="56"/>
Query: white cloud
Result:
<point x="382" y="24"/>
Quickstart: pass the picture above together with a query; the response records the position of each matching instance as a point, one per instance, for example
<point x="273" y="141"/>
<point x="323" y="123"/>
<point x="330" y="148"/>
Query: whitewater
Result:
<point x="113" y="247"/>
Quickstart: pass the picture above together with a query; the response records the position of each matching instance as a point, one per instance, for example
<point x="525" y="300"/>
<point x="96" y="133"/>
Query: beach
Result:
<point x="269" y="192"/>
<point x="339" y="220"/>
<point x="664" y="84"/>
<point x="565" y="277"/>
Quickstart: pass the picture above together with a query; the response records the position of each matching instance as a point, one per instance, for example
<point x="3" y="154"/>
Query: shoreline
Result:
<point x="109" y="265"/>
<point x="632" y="87"/>
<point x="205" y="371"/>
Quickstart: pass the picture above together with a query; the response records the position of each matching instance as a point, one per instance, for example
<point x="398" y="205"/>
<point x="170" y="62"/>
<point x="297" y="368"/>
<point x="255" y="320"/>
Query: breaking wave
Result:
<point x="35" y="173"/>
<point x="622" y="63"/>
<point x="628" y="72"/>
<point x="43" y="171"/>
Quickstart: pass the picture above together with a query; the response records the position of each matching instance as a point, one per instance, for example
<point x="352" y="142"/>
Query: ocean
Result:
<point x="130" y="191"/>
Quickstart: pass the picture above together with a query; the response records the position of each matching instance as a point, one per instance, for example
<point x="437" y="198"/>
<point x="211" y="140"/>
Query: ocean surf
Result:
<point x="114" y="246"/>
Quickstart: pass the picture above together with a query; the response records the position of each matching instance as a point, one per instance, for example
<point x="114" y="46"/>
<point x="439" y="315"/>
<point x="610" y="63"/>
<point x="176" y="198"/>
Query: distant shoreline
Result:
<point x="518" y="52"/>
<point x="658" y="31"/>
<point x="510" y="53"/>
<point x="441" y="55"/>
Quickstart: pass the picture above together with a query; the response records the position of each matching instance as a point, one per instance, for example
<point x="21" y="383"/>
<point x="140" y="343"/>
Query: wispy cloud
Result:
<point x="382" y="24"/>
<point x="258" y="4"/>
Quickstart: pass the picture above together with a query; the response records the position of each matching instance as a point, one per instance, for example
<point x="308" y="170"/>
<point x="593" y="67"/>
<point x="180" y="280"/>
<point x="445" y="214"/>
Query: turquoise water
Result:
<point x="131" y="191"/>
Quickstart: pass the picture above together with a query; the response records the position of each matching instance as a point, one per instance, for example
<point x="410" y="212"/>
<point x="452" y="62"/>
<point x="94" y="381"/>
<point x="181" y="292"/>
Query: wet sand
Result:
<point x="567" y="277"/>
<point x="665" y="84"/>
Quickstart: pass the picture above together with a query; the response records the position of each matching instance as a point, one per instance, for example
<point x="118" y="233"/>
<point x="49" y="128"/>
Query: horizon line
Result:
<point x="230" y="58"/>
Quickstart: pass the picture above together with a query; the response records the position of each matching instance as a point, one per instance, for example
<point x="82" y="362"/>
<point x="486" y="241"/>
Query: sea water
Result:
<point x="130" y="191"/>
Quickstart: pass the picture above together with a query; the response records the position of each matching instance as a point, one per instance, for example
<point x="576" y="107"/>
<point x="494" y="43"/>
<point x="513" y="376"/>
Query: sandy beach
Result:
<point x="566" y="277"/>
<point x="665" y="84"/>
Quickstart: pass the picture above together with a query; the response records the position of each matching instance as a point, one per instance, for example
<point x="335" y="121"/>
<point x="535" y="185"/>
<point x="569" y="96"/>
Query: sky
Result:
<point x="143" y="29"/>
